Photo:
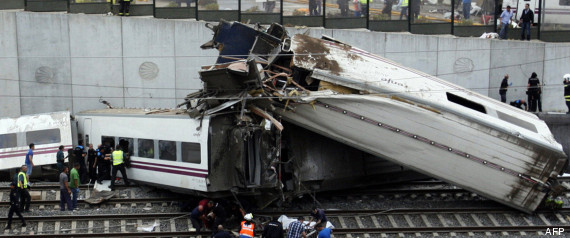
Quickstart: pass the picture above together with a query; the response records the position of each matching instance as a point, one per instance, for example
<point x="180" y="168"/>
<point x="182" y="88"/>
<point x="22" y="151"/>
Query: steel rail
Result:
<point x="113" y="201"/>
<point x="424" y="211"/>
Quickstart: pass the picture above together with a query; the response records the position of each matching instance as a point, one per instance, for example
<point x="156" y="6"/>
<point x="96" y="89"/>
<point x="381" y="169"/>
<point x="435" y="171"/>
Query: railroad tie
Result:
<point x="496" y="223"/>
<point x="1" y="196"/>
<point x="123" y="226"/>
<point x="462" y="223"/>
<point x="172" y="225"/>
<point x="411" y="224"/>
<point x="189" y="224"/>
<point x="530" y="223"/>
<point x="561" y="218"/>
<point x="157" y="228"/>
<point x="428" y="224"/>
<point x="90" y="227"/>
<point x="444" y="223"/>
<point x="543" y="219"/>
<point x="139" y="224"/>
<point x="57" y="196"/>
<point x="106" y="225"/>
<point x="512" y="222"/>
<point x="23" y="230"/>
<point x="359" y="222"/>
<point x="73" y="226"/>
<point x="56" y="229"/>
<point x="133" y="195"/>
<point x="479" y="223"/>
<point x="40" y="227"/>
<point x="44" y="195"/>
<point x="133" y="205"/>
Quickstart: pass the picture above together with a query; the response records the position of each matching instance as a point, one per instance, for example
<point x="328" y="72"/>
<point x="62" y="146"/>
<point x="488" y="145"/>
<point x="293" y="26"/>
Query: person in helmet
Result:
<point x="567" y="91"/>
<point x="247" y="227"/>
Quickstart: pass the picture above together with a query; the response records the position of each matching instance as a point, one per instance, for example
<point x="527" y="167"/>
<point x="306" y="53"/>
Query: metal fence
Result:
<point x="455" y="17"/>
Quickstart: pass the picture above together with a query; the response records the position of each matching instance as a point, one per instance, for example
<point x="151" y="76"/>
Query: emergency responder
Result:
<point x="567" y="91"/>
<point x="533" y="92"/>
<point x="273" y="229"/>
<point x="23" y="191"/>
<point x="518" y="103"/>
<point x="14" y="207"/>
<point x="92" y="159"/>
<point x="247" y="227"/>
<point x="80" y="154"/>
<point x="404" y="12"/>
<point x="364" y="7"/>
<point x="318" y="215"/>
<point x="118" y="165"/>
<point x="125" y="5"/>
<point x="103" y="164"/>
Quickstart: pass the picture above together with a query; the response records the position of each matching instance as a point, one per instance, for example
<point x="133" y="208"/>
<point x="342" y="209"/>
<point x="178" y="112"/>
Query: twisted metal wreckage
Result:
<point x="376" y="106"/>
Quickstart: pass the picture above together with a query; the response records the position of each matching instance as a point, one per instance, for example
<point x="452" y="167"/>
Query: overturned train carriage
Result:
<point x="377" y="106"/>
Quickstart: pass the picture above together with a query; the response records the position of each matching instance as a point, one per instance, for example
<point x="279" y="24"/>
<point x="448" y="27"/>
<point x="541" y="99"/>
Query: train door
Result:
<point x="87" y="132"/>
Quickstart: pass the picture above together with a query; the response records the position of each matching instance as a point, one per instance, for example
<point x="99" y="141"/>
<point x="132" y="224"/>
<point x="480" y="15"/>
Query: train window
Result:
<point x="191" y="152"/>
<point x="564" y="3"/>
<point x="127" y="145"/>
<point x="108" y="141"/>
<point x="167" y="150"/>
<point x="466" y="102"/>
<point x="146" y="148"/>
<point x="42" y="137"/>
<point x="8" y="140"/>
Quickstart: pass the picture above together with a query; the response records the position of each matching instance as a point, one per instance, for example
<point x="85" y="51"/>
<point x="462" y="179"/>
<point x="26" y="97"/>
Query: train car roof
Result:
<point x="134" y="112"/>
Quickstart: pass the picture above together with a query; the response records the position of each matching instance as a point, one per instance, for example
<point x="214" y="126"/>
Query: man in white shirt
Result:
<point x="505" y="20"/>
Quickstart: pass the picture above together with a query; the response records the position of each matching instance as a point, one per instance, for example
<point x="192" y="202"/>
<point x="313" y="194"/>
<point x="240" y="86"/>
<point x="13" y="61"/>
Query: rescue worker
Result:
<point x="125" y="5"/>
<point x="92" y="162"/>
<point x="247" y="227"/>
<point x="60" y="159"/>
<point x="80" y="154"/>
<point x="533" y="92"/>
<point x="364" y="7"/>
<point x="567" y="91"/>
<point x="273" y="229"/>
<point x="218" y="215"/>
<point x="103" y="163"/>
<point x="222" y="233"/>
<point x="118" y="165"/>
<point x="23" y="191"/>
<point x="14" y="207"/>
<point x="318" y="215"/>
<point x="296" y="229"/>
<point x="503" y="90"/>
<point x="518" y="103"/>
<point x="323" y="231"/>
<point x="196" y="218"/>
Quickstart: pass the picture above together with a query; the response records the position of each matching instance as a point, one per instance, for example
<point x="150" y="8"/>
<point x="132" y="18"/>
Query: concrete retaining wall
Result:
<point x="58" y="61"/>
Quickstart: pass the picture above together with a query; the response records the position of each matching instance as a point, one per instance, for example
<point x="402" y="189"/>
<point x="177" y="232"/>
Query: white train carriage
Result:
<point x="555" y="11"/>
<point x="166" y="148"/>
<point x="47" y="131"/>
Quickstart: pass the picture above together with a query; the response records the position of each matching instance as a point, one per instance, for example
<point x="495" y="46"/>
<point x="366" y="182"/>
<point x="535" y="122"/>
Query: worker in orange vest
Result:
<point x="247" y="227"/>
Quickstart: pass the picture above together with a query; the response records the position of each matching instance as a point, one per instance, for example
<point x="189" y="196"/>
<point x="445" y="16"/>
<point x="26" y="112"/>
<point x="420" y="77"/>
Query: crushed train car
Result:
<point x="380" y="107"/>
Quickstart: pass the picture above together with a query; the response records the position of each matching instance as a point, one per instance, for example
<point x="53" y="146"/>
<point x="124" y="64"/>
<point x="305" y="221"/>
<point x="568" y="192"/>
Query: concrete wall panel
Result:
<point x="150" y="98"/>
<point x="414" y="51"/>
<point x="373" y="42"/>
<point x="556" y="62"/>
<point x="149" y="82"/>
<point x="519" y="60"/>
<point x="42" y="35"/>
<point x="465" y="62"/>
<point x="9" y="79"/>
<point x="144" y="37"/>
<point x="94" y="78"/>
<point x="95" y="36"/>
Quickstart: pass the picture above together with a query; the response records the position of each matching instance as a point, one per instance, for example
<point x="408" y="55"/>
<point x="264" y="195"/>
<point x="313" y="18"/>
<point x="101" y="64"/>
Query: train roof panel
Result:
<point x="134" y="111"/>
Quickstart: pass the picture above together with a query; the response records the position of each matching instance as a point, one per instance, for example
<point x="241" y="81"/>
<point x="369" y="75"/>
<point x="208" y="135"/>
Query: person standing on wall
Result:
<point x="527" y="19"/>
<point x="505" y="21"/>
<point x="14" y="207"/>
<point x="533" y="92"/>
<point x="504" y="85"/>
<point x="125" y="6"/>
<point x="567" y="91"/>
<point x="404" y="6"/>
<point x="23" y="191"/>
<point x="118" y="165"/>
<point x="466" y="9"/>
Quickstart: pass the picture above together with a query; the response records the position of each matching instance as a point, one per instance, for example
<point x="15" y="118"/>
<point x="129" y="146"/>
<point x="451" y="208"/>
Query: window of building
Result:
<point x="8" y="140"/>
<point x="466" y="102"/>
<point x="146" y="148"/>
<point x="127" y="144"/>
<point x="42" y="137"/>
<point x="191" y="152"/>
<point x="564" y="2"/>
<point x="167" y="150"/>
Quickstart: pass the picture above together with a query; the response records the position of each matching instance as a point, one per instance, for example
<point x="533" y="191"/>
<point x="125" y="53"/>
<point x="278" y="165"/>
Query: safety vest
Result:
<point x="364" y="1"/>
<point x="246" y="230"/>
<point x="566" y="93"/>
<point x="405" y="3"/>
<point x="25" y="179"/>
<point x="117" y="157"/>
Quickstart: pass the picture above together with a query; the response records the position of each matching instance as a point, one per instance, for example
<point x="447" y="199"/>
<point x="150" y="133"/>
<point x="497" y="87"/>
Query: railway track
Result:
<point x="349" y="223"/>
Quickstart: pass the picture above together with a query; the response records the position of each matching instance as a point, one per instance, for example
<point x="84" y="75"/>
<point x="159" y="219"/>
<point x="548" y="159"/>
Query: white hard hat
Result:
<point x="248" y="217"/>
<point x="567" y="77"/>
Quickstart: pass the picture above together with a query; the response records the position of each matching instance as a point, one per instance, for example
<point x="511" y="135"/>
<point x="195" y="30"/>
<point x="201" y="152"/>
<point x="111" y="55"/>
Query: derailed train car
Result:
<point x="375" y="105"/>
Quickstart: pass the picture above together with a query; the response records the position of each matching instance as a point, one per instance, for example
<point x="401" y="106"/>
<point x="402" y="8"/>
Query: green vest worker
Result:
<point x="118" y="165"/>
<point x="23" y="186"/>
<point x="125" y="5"/>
